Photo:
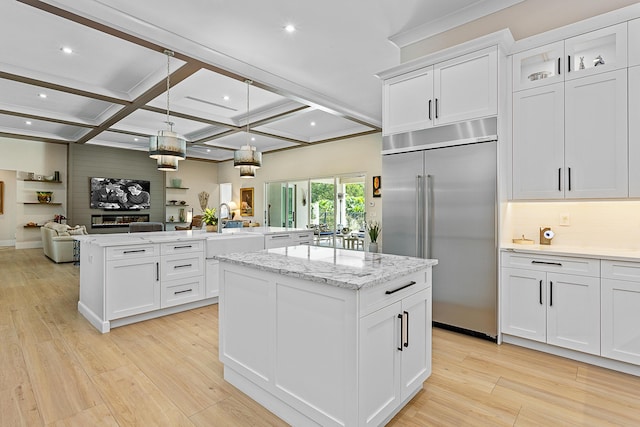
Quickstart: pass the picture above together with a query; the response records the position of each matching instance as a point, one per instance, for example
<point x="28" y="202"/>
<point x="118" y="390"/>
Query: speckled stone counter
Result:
<point x="337" y="267"/>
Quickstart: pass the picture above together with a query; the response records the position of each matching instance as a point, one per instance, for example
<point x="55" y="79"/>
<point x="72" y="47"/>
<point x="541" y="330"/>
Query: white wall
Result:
<point x="359" y="155"/>
<point x="8" y="217"/>
<point x="524" y="19"/>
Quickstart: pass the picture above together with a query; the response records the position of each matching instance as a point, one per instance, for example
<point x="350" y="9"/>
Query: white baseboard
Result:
<point x="28" y="245"/>
<point x="7" y="242"/>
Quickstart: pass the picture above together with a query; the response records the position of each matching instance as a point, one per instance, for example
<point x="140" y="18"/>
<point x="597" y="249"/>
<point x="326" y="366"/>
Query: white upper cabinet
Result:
<point x="634" y="42"/>
<point x="596" y="136"/>
<point x="467" y="87"/>
<point x="596" y="52"/>
<point x="456" y="90"/>
<point x="408" y="102"/>
<point x="634" y="131"/>
<point x="541" y="66"/>
<point x="538" y="143"/>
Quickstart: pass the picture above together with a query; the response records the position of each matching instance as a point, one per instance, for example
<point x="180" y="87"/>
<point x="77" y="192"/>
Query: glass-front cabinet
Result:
<point x="591" y="53"/>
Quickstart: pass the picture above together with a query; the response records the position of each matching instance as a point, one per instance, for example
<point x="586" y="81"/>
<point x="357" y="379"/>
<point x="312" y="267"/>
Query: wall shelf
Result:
<point x="41" y="180"/>
<point x="45" y="204"/>
<point x="177" y="188"/>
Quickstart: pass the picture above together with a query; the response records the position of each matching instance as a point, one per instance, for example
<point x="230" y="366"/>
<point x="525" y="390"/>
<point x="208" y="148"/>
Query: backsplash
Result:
<point x="601" y="224"/>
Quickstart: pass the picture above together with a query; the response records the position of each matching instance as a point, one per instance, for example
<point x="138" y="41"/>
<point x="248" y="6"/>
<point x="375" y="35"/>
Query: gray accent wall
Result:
<point x="87" y="161"/>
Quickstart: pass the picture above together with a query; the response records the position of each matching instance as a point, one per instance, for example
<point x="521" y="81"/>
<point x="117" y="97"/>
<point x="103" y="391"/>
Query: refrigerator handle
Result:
<point x="418" y="216"/>
<point x="429" y="215"/>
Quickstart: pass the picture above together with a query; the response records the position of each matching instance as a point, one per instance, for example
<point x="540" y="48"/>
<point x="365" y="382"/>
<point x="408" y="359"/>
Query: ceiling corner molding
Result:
<point x="453" y="20"/>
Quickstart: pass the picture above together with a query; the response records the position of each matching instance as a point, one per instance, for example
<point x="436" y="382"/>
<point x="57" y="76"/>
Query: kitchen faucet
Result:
<point x="220" y="219"/>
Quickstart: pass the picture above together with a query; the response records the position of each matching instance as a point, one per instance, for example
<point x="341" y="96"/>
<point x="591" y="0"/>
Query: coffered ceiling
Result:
<point x="311" y="86"/>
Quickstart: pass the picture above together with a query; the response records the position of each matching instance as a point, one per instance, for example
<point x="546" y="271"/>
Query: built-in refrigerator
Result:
<point x="439" y="201"/>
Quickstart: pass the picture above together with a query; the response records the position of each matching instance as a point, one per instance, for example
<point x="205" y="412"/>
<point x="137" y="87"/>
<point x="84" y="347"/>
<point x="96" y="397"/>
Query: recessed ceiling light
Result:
<point x="136" y="139"/>
<point x="67" y="50"/>
<point x="42" y="95"/>
<point x="226" y="97"/>
<point x="290" y="28"/>
<point x="313" y="123"/>
<point x="208" y="150"/>
<point x="253" y="138"/>
<point x="27" y="122"/>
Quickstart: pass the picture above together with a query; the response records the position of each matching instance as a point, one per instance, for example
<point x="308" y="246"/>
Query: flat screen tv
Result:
<point x="120" y="194"/>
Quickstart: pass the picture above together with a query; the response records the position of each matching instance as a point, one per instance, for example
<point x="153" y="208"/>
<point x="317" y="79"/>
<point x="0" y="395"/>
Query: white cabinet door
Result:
<point x="573" y="312"/>
<point x="634" y="130"/>
<point x="596" y="136"/>
<point x="416" y="351"/>
<point x="538" y="143"/>
<point x="584" y="52"/>
<point x="380" y="343"/>
<point x="524" y="303"/>
<point x="541" y="66"/>
<point x="408" y="102"/>
<point x="634" y="42"/>
<point x="620" y="320"/>
<point x="212" y="286"/>
<point x="467" y="87"/>
<point x="132" y="286"/>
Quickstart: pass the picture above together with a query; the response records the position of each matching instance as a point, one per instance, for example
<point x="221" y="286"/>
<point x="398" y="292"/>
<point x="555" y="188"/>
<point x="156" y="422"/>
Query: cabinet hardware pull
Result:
<point x="400" y="288"/>
<point x="436" y="108"/>
<point x="429" y="109"/>
<point x="569" y="63"/>
<point x="183" y="247"/>
<point x="559" y="179"/>
<point x="569" y="179"/>
<point x="559" y="264"/>
<point x="550" y="294"/>
<point x="280" y="236"/>
<point x="540" y="291"/>
<point x="406" y="342"/>
<point x="182" y="266"/>
<point x="401" y="330"/>
<point x="157" y="271"/>
<point x="134" y="252"/>
<point x="558" y="65"/>
<point x="182" y="292"/>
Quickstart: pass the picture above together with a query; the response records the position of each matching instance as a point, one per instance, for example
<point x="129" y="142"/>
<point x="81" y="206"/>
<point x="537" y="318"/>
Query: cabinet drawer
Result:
<point x="131" y="251"/>
<point x="377" y="297"/>
<point x="176" y="292"/>
<point x="182" y="247"/>
<point x="621" y="270"/>
<point x="305" y="238"/>
<point x="278" y="240"/>
<point x="557" y="264"/>
<point x="182" y="266"/>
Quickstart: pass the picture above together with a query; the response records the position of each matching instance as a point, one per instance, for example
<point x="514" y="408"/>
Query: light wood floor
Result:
<point x="57" y="370"/>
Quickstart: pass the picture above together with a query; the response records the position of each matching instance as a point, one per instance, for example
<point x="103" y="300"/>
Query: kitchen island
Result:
<point x="324" y="336"/>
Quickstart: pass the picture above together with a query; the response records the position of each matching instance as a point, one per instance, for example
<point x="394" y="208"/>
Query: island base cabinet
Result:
<point x="305" y="351"/>
<point x="395" y="348"/>
<point x="133" y="287"/>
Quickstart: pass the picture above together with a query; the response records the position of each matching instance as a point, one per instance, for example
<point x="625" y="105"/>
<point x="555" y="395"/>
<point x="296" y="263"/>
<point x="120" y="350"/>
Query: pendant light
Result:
<point x="247" y="158"/>
<point x="167" y="146"/>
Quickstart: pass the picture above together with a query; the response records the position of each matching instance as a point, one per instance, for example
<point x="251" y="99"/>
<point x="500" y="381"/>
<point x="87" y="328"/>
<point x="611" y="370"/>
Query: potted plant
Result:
<point x="373" y="229"/>
<point x="210" y="219"/>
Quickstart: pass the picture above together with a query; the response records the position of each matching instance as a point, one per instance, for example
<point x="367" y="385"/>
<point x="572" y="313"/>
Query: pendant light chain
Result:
<point x="169" y="54"/>
<point x="249" y="83"/>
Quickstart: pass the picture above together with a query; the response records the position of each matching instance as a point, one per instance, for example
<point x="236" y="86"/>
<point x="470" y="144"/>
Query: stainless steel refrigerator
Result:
<point x="439" y="201"/>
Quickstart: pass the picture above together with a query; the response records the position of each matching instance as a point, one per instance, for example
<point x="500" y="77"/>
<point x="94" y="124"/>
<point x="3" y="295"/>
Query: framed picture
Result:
<point x="246" y="201"/>
<point x="377" y="186"/>
<point x="1" y="197"/>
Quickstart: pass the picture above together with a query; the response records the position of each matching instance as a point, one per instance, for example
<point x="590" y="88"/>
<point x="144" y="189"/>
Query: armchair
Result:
<point x="57" y="240"/>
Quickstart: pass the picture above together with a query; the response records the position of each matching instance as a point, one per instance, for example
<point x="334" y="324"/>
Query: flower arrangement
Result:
<point x="209" y="216"/>
<point x="373" y="228"/>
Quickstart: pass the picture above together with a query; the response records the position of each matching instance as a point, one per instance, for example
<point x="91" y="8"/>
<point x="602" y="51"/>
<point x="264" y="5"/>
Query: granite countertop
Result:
<point x="338" y="267"/>
<point x="119" y="239"/>
<point x="614" y="254"/>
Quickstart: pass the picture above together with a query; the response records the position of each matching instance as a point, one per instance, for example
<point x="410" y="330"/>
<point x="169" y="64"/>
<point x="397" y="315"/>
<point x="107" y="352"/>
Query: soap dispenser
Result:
<point x="546" y="234"/>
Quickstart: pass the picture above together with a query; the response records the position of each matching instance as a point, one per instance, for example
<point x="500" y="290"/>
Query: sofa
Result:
<point x="57" y="240"/>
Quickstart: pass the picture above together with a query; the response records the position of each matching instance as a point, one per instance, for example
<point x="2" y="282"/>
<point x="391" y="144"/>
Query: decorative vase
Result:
<point x="176" y="182"/>
<point x="212" y="228"/>
<point x="373" y="247"/>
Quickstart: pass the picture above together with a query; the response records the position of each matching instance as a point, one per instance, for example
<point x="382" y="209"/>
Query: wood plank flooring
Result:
<point x="57" y="370"/>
